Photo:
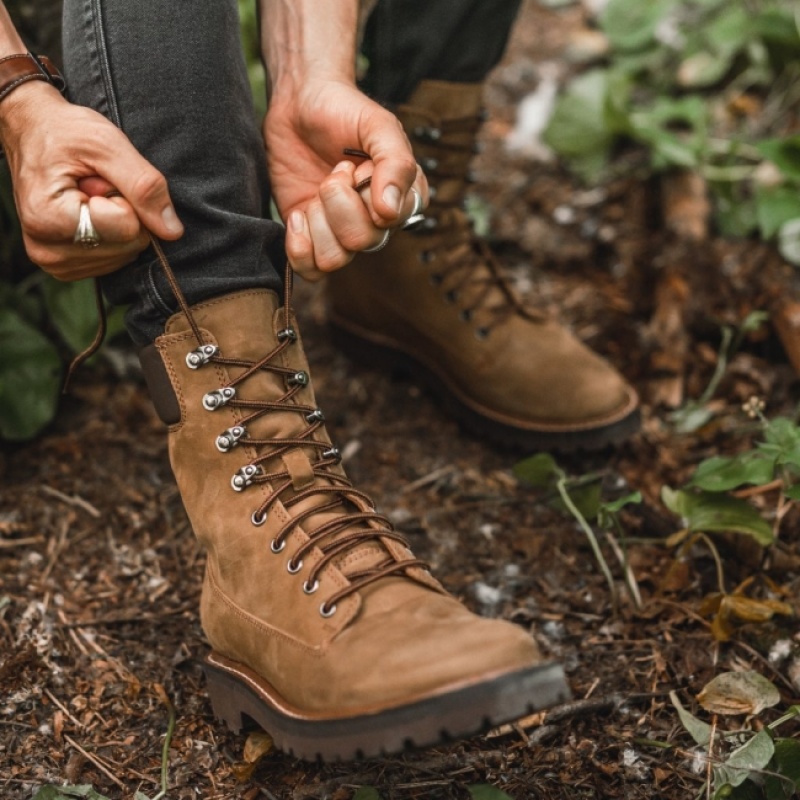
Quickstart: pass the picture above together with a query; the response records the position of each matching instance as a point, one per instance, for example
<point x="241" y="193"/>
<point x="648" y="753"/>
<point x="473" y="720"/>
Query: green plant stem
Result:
<point x="165" y="753"/>
<point x="706" y="539"/>
<point x="561" y="485"/>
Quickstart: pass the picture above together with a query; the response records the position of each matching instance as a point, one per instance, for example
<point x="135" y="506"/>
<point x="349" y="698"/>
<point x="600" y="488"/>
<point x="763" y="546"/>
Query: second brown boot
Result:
<point x="434" y="301"/>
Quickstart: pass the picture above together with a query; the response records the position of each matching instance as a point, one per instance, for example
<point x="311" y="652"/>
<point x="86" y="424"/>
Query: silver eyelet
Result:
<point x="201" y="356"/>
<point x="465" y="315"/>
<point x="244" y="477"/>
<point x="258" y="519"/>
<point x="333" y="453"/>
<point x="323" y="612"/>
<point x="429" y="164"/>
<point x="298" y="379"/>
<point x="451" y="296"/>
<point x="310" y="588"/>
<point x="230" y="438"/>
<point x="287" y="333"/>
<point x="481" y="334"/>
<point x="293" y="569"/>
<point x="275" y="547"/>
<point x="315" y="416"/>
<point x="218" y="398"/>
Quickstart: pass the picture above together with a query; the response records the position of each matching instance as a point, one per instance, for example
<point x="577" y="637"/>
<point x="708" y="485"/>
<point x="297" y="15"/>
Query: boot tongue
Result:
<point x="245" y="327"/>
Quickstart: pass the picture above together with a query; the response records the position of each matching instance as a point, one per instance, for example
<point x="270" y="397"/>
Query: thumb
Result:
<point x="142" y="185"/>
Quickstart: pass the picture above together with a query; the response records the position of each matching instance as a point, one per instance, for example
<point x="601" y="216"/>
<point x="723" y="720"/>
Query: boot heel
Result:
<point x="224" y="700"/>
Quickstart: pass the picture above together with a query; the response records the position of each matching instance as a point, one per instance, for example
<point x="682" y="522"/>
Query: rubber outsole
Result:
<point x="241" y="698"/>
<point x="385" y="355"/>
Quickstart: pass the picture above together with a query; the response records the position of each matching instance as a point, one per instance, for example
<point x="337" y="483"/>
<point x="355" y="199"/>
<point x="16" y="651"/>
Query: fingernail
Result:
<point x="171" y="221"/>
<point x="392" y="198"/>
<point x="297" y="221"/>
<point x="342" y="166"/>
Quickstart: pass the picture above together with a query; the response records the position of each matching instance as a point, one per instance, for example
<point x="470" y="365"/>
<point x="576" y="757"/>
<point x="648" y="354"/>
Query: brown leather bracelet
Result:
<point x="24" y="67"/>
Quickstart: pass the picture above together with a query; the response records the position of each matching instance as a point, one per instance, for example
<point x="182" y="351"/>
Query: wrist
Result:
<point x="19" y="110"/>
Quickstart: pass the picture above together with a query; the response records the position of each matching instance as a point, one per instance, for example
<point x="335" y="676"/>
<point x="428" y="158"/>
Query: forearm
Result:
<point x="306" y="39"/>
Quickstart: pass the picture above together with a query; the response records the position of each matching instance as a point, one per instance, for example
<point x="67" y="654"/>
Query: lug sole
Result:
<point x="386" y="355"/>
<point x="240" y="698"/>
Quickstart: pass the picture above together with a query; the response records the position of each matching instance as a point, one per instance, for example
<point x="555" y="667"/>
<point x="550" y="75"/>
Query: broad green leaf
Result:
<point x="746" y="692"/>
<point x="51" y="792"/>
<point x="632" y="24"/>
<point x="717" y="513"/>
<point x="30" y="378"/>
<point x="699" y="731"/>
<point x="753" y="321"/>
<point x="366" y="793"/>
<point x="483" y="791"/>
<point x="745" y="791"/>
<point x="775" y="206"/>
<point x="655" y="126"/>
<point x="72" y="309"/>
<point x="690" y="418"/>
<point x="578" y="128"/>
<point x="752" y="756"/>
<point x="786" y="762"/>
<point x="789" y="241"/>
<point x="778" y="26"/>
<point x="586" y="497"/>
<point x="539" y="470"/>
<point x="720" y="473"/>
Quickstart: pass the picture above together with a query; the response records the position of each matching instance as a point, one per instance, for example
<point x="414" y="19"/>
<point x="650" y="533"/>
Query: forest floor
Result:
<point x="100" y="574"/>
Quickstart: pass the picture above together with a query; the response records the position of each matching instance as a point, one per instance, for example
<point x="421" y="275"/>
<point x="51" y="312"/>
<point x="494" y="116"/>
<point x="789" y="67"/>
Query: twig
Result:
<point x="425" y="480"/>
<point x="96" y="761"/>
<point x="710" y="756"/>
<point x="627" y="571"/>
<point x="8" y="544"/>
<point x="60" y="705"/>
<point x="73" y="500"/>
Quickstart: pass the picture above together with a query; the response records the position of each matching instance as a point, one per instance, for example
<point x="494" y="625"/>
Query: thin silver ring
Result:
<point x="86" y="234"/>
<point x="381" y="244"/>
<point x="416" y="216"/>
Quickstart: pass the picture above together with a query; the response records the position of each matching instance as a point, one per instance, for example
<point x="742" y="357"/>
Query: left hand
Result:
<point x="327" y="219"/>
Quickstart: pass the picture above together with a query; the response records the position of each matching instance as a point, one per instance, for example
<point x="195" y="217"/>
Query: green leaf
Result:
<point x="366" y="793"/>
<point x="745" y="791"/>
<point x="539" y="470"/>
<point x="719" y="474"/>
<point x="717" y="513"/>
<point x="752" y="756"/>
<point x="483" y="791"/>
<point x="578" y="128"/>
<point x="632" y="24"/>
<point x="786" y="763"/>
<point x="775" y="206"/>
<point x="607" y="511"/>
<point x="674" y="128"/>
<point x="699" y="731"/>
<point x="30" y="377"/>
<point x="51" y="792"/>
<point x="72" y="309"/>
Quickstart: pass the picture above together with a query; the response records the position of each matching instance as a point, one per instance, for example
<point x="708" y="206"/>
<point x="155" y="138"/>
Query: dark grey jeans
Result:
<point x="172" y="75"/>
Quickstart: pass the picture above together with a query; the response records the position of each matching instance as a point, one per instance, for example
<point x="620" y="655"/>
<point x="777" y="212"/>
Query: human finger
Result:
<point x="347" y="216"/>
<point x="299" y="247"/>
<point x="329" y="254"/>
<point x="115" y="220"/>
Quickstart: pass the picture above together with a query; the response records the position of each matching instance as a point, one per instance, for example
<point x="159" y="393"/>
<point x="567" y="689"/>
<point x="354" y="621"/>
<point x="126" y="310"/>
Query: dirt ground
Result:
<point x="100" y="575"/>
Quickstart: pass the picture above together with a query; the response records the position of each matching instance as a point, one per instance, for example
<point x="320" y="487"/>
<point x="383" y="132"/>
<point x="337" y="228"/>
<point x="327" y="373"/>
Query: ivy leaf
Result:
<point x="630" y="24"/>
<point x="483" y="791"/>
<point x="717" y="513"/>
<point x="30" y="377"/>
<point x="775" y="206"/>
<point x="720" y="474"/>
<point x="72" y="309"/>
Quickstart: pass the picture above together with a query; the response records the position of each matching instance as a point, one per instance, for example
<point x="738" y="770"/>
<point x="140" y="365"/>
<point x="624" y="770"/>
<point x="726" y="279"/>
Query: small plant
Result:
<point x="744" y="764"/>
<point x="709" y="504"/>
<point x="582" y="498"/>
<point x="702" y="85"/>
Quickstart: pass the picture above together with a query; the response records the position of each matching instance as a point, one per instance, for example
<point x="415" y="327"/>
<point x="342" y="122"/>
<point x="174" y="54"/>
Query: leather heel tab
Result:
<point x="160" y="386"/>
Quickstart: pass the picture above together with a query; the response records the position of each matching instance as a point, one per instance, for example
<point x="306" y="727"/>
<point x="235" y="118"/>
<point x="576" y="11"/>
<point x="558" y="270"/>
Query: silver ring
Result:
<point x="416" y="216"/>
<point x="381" y="244"/>
<point x="85" y="234"/>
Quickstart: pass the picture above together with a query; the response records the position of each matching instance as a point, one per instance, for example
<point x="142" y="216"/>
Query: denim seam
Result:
<point x="105" y="68"/>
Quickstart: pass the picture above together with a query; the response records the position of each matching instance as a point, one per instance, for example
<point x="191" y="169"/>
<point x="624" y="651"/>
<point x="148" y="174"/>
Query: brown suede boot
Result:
<point x="325" y="630"/>
<point x="434" y="301"/>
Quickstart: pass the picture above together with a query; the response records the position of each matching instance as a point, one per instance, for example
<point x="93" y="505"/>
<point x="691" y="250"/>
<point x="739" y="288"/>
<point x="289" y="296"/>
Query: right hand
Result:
<point x="61" y="155"/>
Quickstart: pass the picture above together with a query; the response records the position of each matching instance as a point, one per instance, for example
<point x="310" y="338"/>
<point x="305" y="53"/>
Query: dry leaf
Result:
<point x="738" y="693"/>
<point x="258" y="744"/>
